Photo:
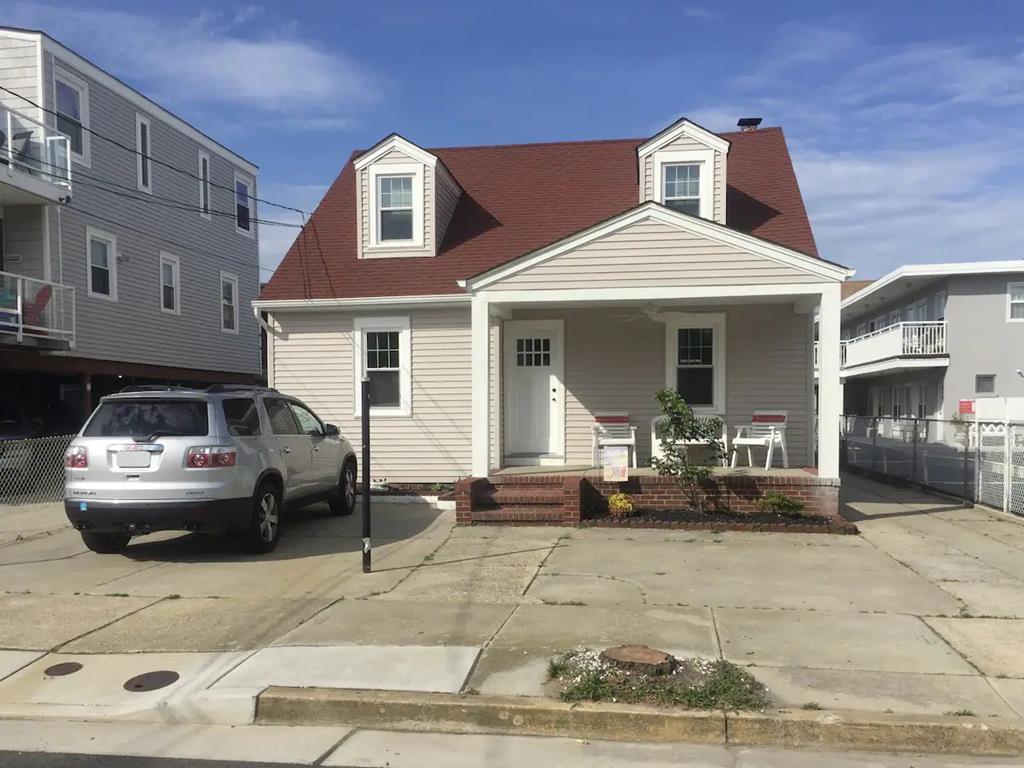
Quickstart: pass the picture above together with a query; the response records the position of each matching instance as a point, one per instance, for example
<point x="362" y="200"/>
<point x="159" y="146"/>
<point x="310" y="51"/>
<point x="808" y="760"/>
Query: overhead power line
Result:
<point x="135" y="151"/>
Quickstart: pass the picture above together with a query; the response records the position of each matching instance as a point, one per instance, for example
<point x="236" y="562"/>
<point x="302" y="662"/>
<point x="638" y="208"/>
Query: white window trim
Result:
<point x="139" y="157"/>
<point x="92" y="233"/>
<point x="227" y="277"/>
<point x="702" y="157"/>
<point x="170" y="258"/>
<point x="251" y="188"/>
<point x="676" y="321"/>
<point x="361" y="326"/>
<point x="1009" y="304"/>
<point x="205" y="184"/>
<point x="941" y="297"/>
<point x="83" y="158"/>
<point x="396" y="169"/>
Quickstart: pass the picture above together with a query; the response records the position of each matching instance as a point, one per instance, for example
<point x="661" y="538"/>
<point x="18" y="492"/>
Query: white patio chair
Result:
<point x="767" y="429"/>
<point x="612" y="428"/>
<point x="657" y="426"/>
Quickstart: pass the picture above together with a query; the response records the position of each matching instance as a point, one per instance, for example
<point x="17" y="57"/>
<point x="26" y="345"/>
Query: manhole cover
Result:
<point x="65" y="668"/>
<point x="150" y="681"/>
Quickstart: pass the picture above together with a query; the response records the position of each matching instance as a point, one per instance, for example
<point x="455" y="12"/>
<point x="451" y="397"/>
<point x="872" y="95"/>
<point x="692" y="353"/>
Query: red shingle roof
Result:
<point x="851" y="287"/>
<point x="520" y="197"/>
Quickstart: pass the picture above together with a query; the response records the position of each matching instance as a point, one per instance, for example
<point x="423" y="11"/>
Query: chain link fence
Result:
<point x="31" y="486"/>
<point x="976" y="460"/>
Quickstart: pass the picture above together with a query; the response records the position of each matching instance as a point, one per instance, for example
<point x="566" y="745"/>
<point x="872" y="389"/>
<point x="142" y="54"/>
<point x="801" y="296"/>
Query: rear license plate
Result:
<point x="133" y="459"/>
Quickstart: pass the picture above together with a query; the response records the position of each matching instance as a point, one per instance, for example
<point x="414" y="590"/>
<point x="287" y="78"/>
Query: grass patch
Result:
<point x="692" y="683"/>
<point x="811" y="705"/>
<point x="962" y="713"/>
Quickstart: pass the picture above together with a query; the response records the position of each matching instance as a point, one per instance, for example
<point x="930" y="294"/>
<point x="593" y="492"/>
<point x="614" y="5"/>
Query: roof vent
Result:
<point x="749" y="123"/>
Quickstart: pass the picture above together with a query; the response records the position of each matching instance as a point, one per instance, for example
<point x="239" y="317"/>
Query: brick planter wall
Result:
<point x="737" y="493"/>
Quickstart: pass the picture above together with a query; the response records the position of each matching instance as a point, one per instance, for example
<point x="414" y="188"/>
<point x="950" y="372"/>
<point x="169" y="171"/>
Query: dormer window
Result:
<point x="682" y="187"/>
<point x="394" y="205"/>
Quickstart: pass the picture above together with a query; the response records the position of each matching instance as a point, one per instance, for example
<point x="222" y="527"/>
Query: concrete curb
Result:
<point x="407" y="710"/>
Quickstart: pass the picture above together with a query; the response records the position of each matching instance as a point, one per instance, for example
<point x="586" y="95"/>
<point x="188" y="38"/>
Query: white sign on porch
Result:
<point x="615" y="460"/>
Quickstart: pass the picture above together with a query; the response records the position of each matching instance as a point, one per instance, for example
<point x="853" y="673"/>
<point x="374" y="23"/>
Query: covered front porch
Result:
<point x="652" y="299"/>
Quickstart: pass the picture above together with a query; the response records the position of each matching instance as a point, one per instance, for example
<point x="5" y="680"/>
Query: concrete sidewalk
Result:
<point x="923" y="614"/>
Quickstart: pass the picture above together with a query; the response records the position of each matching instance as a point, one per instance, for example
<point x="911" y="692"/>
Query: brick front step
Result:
<point x="519" y="496"/>
<point x="514" y="514"/>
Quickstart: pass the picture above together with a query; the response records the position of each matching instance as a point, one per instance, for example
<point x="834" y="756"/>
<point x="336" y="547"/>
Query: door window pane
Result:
<point x="533" y="352"/>
<point x="282" y="422"/>
<point x="308" y="423"/>
<point x="242" y="417"/>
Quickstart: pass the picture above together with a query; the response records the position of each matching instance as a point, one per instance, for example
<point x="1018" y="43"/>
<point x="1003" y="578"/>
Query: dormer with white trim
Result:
<point x="683" y="167"/>
<point x="405" y="198"/>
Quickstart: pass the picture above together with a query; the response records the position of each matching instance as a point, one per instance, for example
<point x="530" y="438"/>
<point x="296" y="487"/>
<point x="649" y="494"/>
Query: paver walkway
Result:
<point x="922" y="613"/>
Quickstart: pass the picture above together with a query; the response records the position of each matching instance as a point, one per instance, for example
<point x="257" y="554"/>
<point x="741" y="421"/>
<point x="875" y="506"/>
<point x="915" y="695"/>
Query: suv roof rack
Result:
<point x="153" y="388"/>
<point x="239" y="388"/>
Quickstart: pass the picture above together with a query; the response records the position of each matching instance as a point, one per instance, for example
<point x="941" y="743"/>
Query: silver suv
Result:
<point x="222" y="460"/>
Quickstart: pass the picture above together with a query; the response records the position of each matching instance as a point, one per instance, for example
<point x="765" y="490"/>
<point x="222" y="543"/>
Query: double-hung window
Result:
<point x="71" y="102"/>
<point x="1015" y="302"/>
<point x="243" y="205"/>
<point x="204" y="185"/>
<point x="682" y="187"/>
<point x="695" y="360"/>
<point x="144" y="153"/>
<point x="101" y="253"/>
<point x="170" y="284"/>
<point x="228" y="303"/>
<point x="394" y="207"/>
<point x="383" y="353"/>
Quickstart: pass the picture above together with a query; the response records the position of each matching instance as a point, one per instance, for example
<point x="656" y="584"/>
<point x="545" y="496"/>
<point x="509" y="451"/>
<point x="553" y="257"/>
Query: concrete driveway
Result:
<point x="922" y="613"/>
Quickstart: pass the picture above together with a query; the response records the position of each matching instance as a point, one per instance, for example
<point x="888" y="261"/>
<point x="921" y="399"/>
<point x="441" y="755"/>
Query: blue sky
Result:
<point x="905" y="120"/>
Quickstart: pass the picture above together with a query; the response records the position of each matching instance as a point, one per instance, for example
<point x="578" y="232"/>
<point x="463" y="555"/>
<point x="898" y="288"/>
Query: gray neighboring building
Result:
<point x="114" y="267"/>
<point x="924" y="337"/>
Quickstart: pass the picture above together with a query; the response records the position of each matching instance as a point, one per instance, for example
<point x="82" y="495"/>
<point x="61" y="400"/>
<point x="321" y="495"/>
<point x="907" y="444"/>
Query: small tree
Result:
<point x="683" y="428"/>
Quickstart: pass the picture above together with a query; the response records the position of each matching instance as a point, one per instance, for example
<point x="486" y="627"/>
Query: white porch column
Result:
<point x="481" y="348"/>
<point x="830" y="391"/>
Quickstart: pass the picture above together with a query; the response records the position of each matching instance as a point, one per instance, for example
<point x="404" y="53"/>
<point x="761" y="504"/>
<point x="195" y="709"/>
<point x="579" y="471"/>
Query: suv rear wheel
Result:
<point x="265" y="524"/>
<point x="343" y="501"/>
<point x="106" y="543"/>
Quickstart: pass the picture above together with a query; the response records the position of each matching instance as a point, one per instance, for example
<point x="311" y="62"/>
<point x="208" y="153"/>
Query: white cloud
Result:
<point x="210" y="59"/>
<point x="904" y="154"/>
<point x="695" y="12"/>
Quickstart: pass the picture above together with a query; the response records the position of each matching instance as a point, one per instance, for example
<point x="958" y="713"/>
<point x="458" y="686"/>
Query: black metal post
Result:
<point x="365" y="394"/>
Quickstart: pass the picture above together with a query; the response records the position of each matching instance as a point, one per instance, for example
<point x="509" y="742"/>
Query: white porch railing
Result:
<point x="917" y="339"/>
<point x="28" y="146"/>
<point x="33" y="309"/>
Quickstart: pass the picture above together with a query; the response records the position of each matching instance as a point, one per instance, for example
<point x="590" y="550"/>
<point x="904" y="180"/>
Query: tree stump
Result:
<point x="639" y="658"/>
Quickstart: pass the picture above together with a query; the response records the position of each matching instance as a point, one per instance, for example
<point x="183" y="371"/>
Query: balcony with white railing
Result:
<point x="920" y="344"/>
<point x="36" y="313"/>
<point x="35" y="161"/>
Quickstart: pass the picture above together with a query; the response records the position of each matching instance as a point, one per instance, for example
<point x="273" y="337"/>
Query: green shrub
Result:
<point x="684" y="428"/>
<point x="780" y="504"/>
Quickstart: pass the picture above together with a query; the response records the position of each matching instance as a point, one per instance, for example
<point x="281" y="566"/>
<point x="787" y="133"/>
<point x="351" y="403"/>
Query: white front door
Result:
<point x="534" y="392"/>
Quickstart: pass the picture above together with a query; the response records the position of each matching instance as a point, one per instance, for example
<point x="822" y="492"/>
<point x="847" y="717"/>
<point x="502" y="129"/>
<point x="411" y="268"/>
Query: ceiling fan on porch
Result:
<point x="650" y="312"/>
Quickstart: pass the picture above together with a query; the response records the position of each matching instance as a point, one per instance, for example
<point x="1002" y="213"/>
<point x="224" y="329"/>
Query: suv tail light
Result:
<point x="210" y="457"/>
<point x="76" y="457"/>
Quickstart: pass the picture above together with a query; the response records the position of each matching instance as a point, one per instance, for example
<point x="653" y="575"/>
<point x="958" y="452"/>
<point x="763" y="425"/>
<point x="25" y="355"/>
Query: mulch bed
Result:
<point x="720" y="521"/>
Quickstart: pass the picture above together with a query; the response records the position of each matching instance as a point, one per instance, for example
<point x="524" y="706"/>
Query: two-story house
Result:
<point x="925" y="337"/>
<point x="129" y="245"/>
<point x="500" y="298"/>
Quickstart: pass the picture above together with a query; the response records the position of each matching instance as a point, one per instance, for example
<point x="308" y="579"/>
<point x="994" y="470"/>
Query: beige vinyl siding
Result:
<point x="685" y="143"/>
<point x="652" y="253"/>
<point x="611" y="364"/>
<point x="448" y="193"/>
<point x="313" y="360"/>
<point x="19" y="71"/>
<point x="395" y="157"/>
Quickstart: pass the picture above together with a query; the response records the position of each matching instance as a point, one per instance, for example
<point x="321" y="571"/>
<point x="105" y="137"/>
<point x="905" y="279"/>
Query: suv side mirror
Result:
<point x="331" y="431"/>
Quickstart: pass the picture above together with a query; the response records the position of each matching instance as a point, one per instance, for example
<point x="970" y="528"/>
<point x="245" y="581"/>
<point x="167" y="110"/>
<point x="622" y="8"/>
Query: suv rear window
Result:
<point x="149" y="419"/>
